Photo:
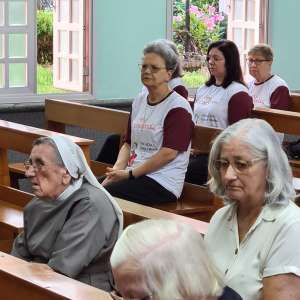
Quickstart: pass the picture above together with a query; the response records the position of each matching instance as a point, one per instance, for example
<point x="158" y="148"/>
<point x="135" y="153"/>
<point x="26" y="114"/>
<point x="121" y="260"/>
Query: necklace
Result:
<point x="148" y="111"/>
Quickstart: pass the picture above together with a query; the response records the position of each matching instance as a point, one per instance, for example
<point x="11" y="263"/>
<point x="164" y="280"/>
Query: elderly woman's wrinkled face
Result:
<point x="48" y="179"/>
<point x="130" y="282"/>
<point x="153" y="71"/>
<point x="243" y="175"/>
<point x="259" y="66"/>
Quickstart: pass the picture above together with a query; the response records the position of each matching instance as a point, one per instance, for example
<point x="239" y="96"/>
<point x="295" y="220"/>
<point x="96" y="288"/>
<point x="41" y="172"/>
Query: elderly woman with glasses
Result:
<point x="165" y="260"/>
<point x="267" y="90"/>
<point x="254" y="239"/>
<point x="221" y="101"/>
<point x="152" y="162"/>
<point x="72" y="223"/>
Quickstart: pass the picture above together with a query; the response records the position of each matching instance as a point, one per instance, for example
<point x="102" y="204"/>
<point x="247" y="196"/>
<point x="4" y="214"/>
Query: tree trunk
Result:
<point x="187" y="27"/>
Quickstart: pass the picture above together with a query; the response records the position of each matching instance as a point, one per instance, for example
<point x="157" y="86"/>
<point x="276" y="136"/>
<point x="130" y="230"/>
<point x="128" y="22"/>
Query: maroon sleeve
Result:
<point x="178" y="129"/>
<point x="182" y="91"/>
<point x="239" y="107"/>
<point x="280" y="98"/>
<point x="127" y="137"/>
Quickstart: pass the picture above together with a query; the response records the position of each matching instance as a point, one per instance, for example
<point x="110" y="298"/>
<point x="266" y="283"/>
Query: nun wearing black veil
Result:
<point x="72" y="223"/>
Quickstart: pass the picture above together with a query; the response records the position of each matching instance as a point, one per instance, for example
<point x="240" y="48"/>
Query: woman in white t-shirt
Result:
<point x="152" y="162"/>
<point x="254" y="238"/>
<point x="221" y="101"/>
<point x="267" y="89"/>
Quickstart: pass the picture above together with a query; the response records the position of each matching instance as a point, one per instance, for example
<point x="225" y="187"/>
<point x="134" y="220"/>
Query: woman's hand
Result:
<point x="114" y="175"/>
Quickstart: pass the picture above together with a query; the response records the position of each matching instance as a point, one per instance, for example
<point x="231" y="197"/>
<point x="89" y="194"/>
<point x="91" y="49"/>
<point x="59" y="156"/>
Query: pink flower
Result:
<point x="218" y="17"/>
<point x="177" y="18"/>
<point x="211" y="10"/>
<point x="194" y="9"/>
<point x="209" y="22"/>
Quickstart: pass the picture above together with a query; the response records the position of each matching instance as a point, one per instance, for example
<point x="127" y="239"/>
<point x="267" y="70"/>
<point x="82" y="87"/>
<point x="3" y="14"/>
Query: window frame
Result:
<point x="27" y="98"/>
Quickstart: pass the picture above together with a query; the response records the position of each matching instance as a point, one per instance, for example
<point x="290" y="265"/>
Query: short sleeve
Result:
<point x="178" y="129"/>
<point x="80" y="241"/>
<point x="182" y="91"/>
<point x="239" y="107"/>
<point x="280" y="98"/>
<point x="284" y="255"/>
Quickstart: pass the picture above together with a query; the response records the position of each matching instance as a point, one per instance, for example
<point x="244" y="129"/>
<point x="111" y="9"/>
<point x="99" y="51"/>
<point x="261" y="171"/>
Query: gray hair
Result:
<point x="264" y="143"/>
<point x="48" y="141"/>
<point x="167" y="50"/>
<point x="263" y="50"/>
<point x="172" y="257"/>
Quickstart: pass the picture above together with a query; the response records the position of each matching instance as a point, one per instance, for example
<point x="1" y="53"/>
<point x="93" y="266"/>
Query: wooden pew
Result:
<point x="18" y="137"/>
<point x="295" y="102"/>
<point x="29" y="281"/>
<point x="13" y="201"/>
<point x="282" y="121"/>
<point x="195" y="201"/>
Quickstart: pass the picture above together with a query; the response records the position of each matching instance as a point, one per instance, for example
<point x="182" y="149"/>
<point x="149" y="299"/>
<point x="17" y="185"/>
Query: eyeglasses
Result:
<point x="151" y="68"/>
<point x="116" y="296"/>
<point x="240" y="166"/>
<point x="251" y="61"/>
<point x="37" y="165"/>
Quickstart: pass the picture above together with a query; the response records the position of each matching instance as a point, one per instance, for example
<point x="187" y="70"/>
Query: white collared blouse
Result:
<point x="270" y="247"/>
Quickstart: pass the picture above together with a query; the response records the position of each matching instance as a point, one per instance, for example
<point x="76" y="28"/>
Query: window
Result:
<point x="17" y="50"/>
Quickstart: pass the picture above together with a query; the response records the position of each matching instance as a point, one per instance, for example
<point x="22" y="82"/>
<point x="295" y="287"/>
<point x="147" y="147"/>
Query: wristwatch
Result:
<point x="131" y="177"/>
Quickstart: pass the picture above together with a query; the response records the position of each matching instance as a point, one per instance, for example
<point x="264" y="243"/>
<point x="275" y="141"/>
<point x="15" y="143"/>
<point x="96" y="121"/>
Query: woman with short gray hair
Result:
<point x="164" y="260"/>
<point x="267" y="89"/>
<point x="254" y="238"/>
<point x="152" y="162"/>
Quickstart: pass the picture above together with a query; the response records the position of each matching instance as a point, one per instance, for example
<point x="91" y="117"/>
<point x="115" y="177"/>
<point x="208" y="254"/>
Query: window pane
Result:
<point x="250" y="6"/>
<point x="63" y="11"/>
<point x="17" y="12"/>
<point x="250" y="35"/>
<point x="1" y="13"/>
<point x="17" y="75"/>
<point x="75" y="11"/>
<point x="238" y="10"/>
<point x="1" y="75"/>
<point x="75" y="41"/>
<point x="63" y="41"/>
<point x="1" y="45"/>
<point x="63" y="69"/>
<point x="17" y="45"/>
<point x="238" y="37"/>
<point x="74" y="70"/>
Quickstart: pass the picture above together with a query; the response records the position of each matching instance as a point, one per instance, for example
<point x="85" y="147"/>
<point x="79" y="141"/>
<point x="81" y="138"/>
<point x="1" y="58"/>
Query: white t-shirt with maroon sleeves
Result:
<point x="219" y="107"/>
<point x="273" y="93"/>
<point x="168" y="123"/>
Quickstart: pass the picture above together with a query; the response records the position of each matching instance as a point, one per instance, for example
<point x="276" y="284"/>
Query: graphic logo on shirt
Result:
<point x="257" y="101"/>
<point x="133" y="155"/>
<point x="205" y="100"/>
<point x="207" y="119"/>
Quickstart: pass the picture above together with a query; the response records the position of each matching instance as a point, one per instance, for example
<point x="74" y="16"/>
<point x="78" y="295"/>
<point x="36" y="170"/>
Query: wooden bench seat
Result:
<point x="28" y="281"/>
<point x="13" y="201"/>
<point x="115" y="122"/>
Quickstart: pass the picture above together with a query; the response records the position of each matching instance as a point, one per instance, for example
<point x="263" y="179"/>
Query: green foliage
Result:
<point x="44" y="37"/>
<point x="194" y="79"/>
<point x="206" y="25"/>
<point x="45" y="81"/>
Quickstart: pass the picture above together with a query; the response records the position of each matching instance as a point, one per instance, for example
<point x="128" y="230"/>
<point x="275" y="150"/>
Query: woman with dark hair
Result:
<point x="221" y="101"/>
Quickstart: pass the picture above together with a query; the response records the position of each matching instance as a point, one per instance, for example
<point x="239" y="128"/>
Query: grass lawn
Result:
<point x="45" y="81"/>
<point x="194" y="79"/>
